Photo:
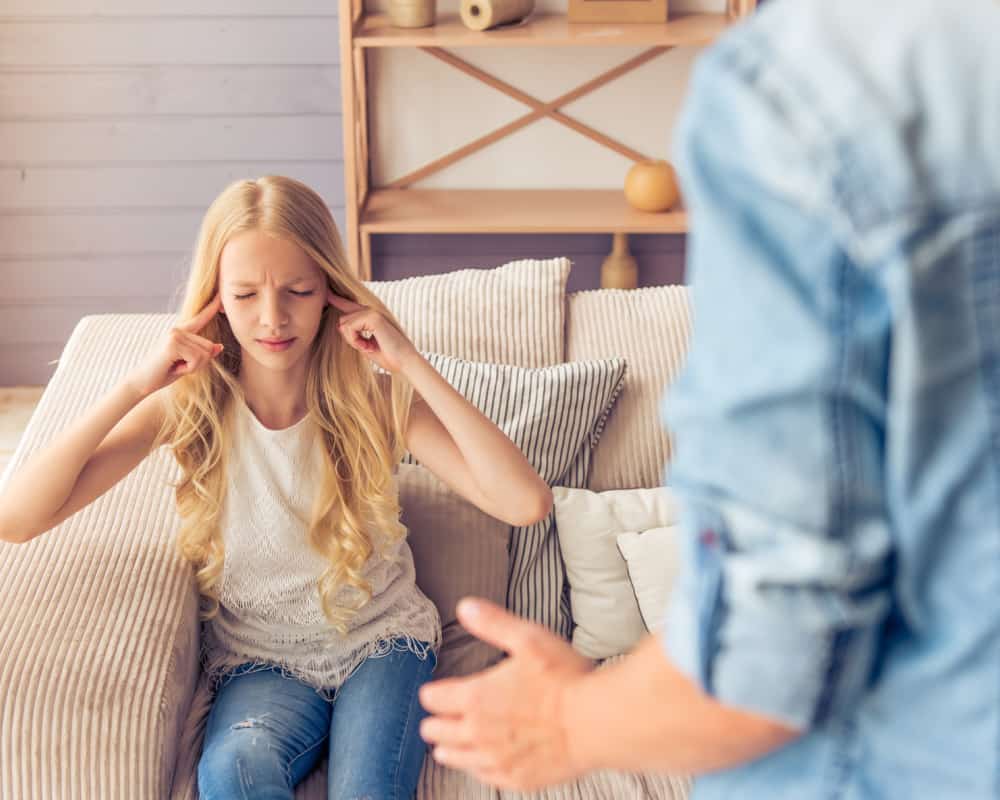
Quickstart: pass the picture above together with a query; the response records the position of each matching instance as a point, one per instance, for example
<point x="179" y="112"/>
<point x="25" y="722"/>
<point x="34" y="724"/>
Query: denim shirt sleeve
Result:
<point x="778" y="418"/>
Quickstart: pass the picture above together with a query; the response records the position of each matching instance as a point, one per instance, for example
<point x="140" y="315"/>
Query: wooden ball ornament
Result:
<point x="651" y="186"/>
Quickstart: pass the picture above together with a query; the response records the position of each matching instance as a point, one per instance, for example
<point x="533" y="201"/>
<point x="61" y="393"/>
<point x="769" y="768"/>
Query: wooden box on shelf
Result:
<point x="617" y="11"/>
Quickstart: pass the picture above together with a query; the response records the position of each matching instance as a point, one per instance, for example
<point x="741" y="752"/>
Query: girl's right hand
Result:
<point x="181" y="353"/>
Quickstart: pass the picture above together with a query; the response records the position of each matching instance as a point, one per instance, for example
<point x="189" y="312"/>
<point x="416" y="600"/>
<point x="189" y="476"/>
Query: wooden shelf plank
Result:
<point x="511" y="211"/>
<point x="543" y="30"/>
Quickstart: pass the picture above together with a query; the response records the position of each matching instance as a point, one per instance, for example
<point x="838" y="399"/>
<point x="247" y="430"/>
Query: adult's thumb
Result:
<point x="494" y="625"/>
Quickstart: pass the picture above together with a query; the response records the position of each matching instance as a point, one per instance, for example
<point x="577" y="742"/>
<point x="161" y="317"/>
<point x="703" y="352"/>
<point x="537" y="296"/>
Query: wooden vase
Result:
<point x="619" y="270"/>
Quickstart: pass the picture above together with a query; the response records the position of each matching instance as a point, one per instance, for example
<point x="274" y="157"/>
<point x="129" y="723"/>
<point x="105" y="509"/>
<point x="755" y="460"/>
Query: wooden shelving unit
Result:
<point x="400" y="208"/>
<point x="542" y="30"/>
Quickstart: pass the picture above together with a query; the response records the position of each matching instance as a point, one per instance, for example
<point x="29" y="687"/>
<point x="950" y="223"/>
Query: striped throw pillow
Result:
<point x="555" y="415"/>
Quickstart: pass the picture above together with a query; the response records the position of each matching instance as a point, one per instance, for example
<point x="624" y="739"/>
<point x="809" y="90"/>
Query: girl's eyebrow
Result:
<point x="251" y="284"/>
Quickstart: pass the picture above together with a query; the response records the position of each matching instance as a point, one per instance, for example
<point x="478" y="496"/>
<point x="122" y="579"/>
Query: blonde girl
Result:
<point x="287" y="436"/>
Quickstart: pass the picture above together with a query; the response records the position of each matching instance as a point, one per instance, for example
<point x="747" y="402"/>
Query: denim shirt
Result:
<point x="837" y="425"/>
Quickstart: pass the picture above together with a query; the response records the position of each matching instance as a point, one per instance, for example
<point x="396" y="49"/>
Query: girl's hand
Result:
<point x="365" y="329"/>
<point x="180" y="353"/>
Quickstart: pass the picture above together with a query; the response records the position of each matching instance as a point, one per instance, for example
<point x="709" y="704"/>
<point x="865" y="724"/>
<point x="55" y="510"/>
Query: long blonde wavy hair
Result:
<point x="356" y="509"/>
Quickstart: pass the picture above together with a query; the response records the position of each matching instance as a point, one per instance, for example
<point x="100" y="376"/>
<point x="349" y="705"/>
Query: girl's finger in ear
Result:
<point x="342" y="303"/>
<point x="207" y="346"/>
<point x="203" y="317"/>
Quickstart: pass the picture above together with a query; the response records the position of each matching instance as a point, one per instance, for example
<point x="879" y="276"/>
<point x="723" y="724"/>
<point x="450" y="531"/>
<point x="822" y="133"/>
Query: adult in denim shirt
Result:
<point x="837" y="435"/>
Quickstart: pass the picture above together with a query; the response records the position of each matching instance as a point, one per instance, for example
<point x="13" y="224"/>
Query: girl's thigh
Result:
<point x="265" y="731"/>
<point x="375" y="745"/>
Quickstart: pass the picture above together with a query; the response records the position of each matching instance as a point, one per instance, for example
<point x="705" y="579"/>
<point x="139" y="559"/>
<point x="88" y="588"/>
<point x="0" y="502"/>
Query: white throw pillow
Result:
<point x="653" y="561"/>
<point x="606" y="615"/>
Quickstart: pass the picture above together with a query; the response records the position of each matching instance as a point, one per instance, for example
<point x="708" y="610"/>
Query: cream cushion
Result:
<point x="458" y="550"/>
<point x="606" y="616"/>
<point x="650" y="329"/>
<point x="653" y="560"/>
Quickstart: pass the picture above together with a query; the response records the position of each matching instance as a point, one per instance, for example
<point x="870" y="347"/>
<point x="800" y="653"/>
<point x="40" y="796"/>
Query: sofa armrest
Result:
<point x="98" y="617"/>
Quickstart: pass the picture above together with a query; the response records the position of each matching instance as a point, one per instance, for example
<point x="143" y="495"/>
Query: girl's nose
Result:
<point x="272" y="314"/>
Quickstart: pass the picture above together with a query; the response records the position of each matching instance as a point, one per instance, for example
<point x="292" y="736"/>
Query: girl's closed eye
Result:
<point x="297" y="294"/>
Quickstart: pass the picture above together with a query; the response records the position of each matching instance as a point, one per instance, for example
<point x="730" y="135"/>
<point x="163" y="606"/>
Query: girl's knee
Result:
<point x="244" y="763"/>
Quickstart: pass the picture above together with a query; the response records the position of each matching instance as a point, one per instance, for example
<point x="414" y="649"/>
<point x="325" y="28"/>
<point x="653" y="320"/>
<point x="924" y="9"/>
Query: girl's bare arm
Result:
<point x="83" y="462"/>
<point x="469" y="452"/>
<point x="107" y="442"/>
<point x="446" y="432"/>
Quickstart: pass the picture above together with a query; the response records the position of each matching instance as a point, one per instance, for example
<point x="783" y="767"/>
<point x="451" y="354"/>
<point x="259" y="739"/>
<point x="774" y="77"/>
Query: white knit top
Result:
<point x="269" y="605"/>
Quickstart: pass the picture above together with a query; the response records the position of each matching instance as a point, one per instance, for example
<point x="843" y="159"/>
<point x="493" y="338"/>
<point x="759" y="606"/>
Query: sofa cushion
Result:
<point x="649" y="328"/>
<point x="609" y="785"/>
<point x="513" y="314"/>
<point x="653" y="560"/>
<point x="606" y="616"/>
<point x="98" y="616"/>
<point x="554" y="415"/>
<point x="458" y="550"/>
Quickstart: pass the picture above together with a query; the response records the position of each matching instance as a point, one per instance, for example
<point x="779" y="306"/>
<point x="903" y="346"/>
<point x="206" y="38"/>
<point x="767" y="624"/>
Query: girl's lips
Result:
<point x="277" y="346"/>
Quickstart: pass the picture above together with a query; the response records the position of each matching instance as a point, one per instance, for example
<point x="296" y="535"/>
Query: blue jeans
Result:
<point x="266" y="732"/>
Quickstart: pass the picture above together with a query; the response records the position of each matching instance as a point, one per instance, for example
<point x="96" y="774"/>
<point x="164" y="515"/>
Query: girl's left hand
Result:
<point x="365" y="329"/>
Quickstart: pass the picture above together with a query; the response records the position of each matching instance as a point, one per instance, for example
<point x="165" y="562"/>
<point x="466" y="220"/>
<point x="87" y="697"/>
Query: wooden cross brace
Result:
<point x="541" y="110"/>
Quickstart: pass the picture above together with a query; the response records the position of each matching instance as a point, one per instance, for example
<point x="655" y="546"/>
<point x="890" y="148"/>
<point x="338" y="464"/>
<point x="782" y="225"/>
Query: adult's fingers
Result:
<point x="450" y="695"/>
<point x="446" y="731"/>
<point x="497" y="626"/>
<point x="469" y="759"/>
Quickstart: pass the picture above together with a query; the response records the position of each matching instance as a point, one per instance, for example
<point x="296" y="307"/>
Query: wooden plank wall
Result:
<point x="120" y="120"/>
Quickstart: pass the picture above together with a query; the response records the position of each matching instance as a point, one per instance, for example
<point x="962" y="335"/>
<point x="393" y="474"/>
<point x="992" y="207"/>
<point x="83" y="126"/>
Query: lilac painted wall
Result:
<point x="660" y="258"/>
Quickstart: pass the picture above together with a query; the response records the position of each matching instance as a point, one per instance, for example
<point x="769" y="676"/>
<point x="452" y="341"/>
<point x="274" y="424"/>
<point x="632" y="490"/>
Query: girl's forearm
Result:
<point x="41" y="486"/>
<point x="498" y="467"/>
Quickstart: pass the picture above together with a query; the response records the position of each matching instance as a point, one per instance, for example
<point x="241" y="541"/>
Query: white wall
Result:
<point x="425" y="108"/>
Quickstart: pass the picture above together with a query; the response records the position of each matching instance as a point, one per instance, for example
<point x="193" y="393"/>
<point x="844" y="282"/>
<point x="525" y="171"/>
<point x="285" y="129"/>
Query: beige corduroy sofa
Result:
<point x="100" y="686"/>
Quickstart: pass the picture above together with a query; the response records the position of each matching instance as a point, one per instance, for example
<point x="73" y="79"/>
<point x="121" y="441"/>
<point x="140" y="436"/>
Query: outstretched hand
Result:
<point x="505" y="725"/>
<point x="366" y="330"/>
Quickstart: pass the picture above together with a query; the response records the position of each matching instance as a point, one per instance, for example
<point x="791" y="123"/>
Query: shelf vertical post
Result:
<point x="349" y="11"/>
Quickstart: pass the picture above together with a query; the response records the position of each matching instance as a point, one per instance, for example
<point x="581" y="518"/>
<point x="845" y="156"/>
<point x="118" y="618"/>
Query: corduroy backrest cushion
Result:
<point x="513" y="314"/>
<point x="650" y="329"/>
